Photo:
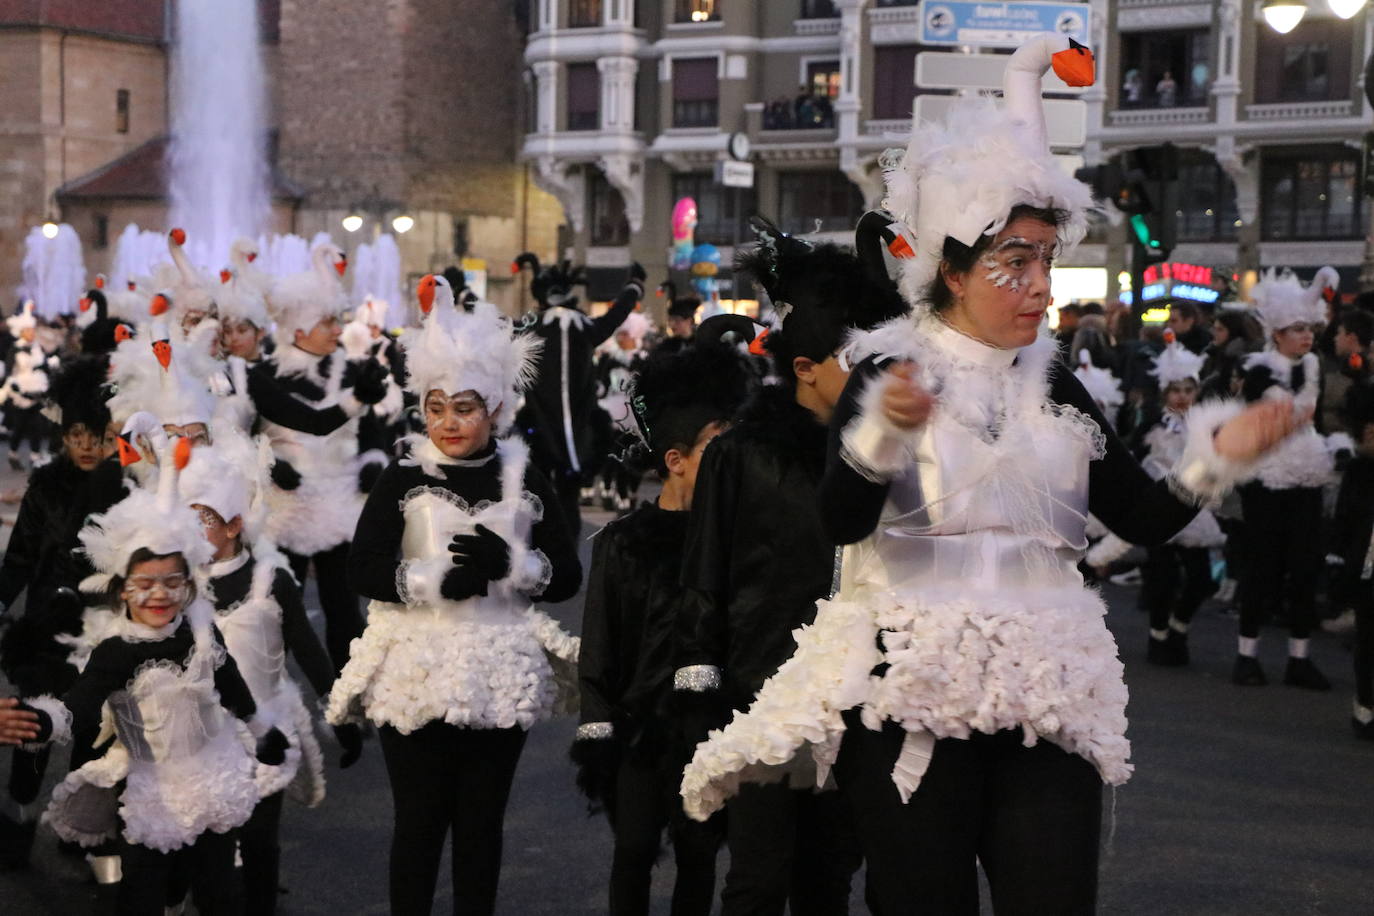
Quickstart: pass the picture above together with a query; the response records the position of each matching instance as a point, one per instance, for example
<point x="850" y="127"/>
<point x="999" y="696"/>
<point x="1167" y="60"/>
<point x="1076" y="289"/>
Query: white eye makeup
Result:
<point x="1007" y="263"/>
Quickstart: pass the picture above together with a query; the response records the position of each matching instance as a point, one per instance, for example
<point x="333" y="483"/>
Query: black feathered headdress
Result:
<point x="819" y="291"/>
<point x="78" y="393"/>
<point x="552" y="285"/>
<point x="100" y="336"/>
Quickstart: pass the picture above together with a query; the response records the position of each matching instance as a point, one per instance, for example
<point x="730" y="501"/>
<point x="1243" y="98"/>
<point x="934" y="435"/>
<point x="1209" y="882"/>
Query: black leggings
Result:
<point x="789" y="848"/>
<point x="153" y="880"/>
<point x="1284" y="547"/>
<point x="1176" y="582"/>
<point x="261" y="852"/>
<point x="342" y="619"/>
<point x="1031" y="816"/>
<point x="446" y="779"/>
<point x="646" y="801"/>
<point x="1364" y="652"/>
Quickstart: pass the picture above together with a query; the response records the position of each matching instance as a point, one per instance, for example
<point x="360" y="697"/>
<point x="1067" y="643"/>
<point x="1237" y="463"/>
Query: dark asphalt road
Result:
<point x="1245" y="801"/>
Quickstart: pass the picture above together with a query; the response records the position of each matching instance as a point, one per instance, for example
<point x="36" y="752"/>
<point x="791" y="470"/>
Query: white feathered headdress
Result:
<point x="1101" y="385"/>
<point x="1281" y="300"/>
<point x="962" y="178"/>
<point x="165" y="373"/>
<point x="239" y="300"/>
<point x="1176" y="364"/>
<point x="467" y="351"/>
<point x="300" y="301"/>
<point x="22" y="320"/>
<point x="153" y="519"/>
<point x="190" y="291"/>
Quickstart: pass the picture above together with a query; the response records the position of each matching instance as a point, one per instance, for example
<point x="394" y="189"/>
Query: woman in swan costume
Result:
<point x="962" y="685"/>
<point x="455" y="542"/>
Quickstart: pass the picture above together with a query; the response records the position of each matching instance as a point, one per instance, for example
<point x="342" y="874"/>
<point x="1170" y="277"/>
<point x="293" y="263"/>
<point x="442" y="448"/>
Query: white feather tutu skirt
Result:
<point x="954" y="661"/>
<point x="415" y="666"/>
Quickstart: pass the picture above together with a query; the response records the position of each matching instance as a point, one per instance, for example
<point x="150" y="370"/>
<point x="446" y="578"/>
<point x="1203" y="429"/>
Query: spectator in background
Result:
<point x="1166" y="90"/>
<point x="1132" y="87"/>
<point x="1231" y="340"/>
<point x="1068" y="326"/>
<point x="1185" y="320"/>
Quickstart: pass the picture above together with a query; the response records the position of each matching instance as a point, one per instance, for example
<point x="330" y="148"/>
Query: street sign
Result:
<point x="1066" y="120"/>
<point x="951" y="70"/>
<point x="999" y="25"/>
<point x="735" y="174"/>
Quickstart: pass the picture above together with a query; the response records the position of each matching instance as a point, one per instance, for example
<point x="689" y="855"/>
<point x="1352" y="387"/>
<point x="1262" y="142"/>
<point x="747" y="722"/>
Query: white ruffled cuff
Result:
<point x="418" y="581"/>
<point x="59" y="719"/>
<point x="1336" y="443"/>
<point x="594" y="731"/>
<point x="697" y="678"/>
<point x="1201" y="476"/>
<point x="871" y="445"/>
<point x="1108" y="549"/>
<point x="531" y="574"/>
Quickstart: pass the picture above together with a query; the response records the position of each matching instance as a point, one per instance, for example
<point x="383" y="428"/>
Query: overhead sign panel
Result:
<point x="1000" y="25"/>
<point x="952" y="70"/>
<point x="1066" y="120"/>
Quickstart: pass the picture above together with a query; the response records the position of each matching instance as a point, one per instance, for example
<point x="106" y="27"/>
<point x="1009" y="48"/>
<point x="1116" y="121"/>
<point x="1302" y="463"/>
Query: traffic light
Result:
<point x="1151" y="178"/>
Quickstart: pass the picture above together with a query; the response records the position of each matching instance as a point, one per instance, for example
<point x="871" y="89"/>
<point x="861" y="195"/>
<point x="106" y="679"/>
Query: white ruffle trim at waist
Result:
<point x="412" y="667"/>
<point x="957" y="662"/>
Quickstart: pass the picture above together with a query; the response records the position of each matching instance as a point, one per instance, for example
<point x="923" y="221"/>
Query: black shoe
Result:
<point x="1178" y="648"/>
<point x="15" y="463"/>
<point x="1302" y="673"/>
<point x="1363" y="730"/>
<point x="1248" y="673"/>
<point x="1157" y="652"/>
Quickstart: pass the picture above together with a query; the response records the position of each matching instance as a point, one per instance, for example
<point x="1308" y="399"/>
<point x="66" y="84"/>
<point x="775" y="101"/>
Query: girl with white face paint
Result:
<point x="962" y="686"/>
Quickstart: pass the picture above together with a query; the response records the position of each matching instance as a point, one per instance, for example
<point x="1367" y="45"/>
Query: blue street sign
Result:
<point x="956" y="22"/>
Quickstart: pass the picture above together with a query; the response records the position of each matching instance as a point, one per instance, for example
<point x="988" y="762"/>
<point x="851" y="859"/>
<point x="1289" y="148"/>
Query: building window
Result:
<point x="1310" y="63"/>
<point x="607" y="208"/>
<point x="813" y="107"/>
<point x="818" y="202"/>
<point x="584" y="13"/>
<point x="1165" y="69"/>
<point x="696" y="92"/>
<point x="121" y="111"/>
<point x="584" y="97"/>
<point x="102" y="232"/>
<point x="722" y="213"/>
<point x="1207" y="199"/>
<point x="894" y="80"/>
<point x="696" y="10"/>
<point x="818" y="9"/>
<point x="1313" y="195"/>
<point x="460" y="236"/>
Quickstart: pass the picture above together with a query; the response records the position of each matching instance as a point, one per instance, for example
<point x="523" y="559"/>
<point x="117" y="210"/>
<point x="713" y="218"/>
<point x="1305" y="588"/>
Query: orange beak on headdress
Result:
<point x="127" y="453"/>
<point x="162" y="349"/>
<point x="1074" y="65"/>
<point x="424" y="292"/>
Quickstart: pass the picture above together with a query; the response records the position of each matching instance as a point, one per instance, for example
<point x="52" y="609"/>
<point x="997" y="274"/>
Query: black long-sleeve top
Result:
<point x="757" y="558"/>
<point x="273" y="398"/>
<point x="376" y="552"/>
<point x="625" y="668"/>
<point x="1353" y="529"/>
<point x="1136" y="508"/>
<point x="298" y="635"/>
<point x="112" y="667"/>
<point x="542" y="416"/>
<point x="44" y="550"/>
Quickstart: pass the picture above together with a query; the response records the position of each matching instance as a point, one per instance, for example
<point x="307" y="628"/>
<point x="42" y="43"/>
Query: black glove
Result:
<point x="369" y="386"/>
<point x="695" y="713"/>
<point x="350" y="738"/>
<point x="367" y="477"/>
<point x="484" y="550"/>
<point x="636" y="281"/>
<point x="463" y="582"/>
<point x="284" y="476"/>
<point x="597" y="760"/>
<point x="272" y="747"/>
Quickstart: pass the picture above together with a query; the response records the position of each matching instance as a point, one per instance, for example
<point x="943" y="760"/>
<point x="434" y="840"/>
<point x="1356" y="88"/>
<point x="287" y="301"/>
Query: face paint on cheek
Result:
<point x="997" y="276"/>
<point x="141" y="596"/>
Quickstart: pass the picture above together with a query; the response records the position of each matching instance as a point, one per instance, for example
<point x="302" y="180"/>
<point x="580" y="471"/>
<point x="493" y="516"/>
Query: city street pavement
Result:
<point x="1245" y="801"/>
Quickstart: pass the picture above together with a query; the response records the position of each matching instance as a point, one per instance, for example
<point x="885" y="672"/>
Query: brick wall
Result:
<point x="128" y="18"/>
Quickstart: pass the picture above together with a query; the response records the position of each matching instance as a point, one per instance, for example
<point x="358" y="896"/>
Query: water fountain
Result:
<point x="376" y="270"/>
<point x="219" y="183"/>
<point x="54" y="273"/>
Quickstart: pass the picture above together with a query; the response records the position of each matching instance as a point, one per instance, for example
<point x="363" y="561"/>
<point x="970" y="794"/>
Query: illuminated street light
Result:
<point x="49" y="230"/>
<point x="1345" y="8"/>
<point x="352" y="222"/>
<point x="402" y="224"/>
<point x="1283" y="16"/>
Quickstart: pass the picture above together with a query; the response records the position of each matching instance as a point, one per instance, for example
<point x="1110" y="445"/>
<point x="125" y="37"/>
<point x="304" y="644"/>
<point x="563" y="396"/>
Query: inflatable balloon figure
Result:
<point x="684" y="229"/>
<point x="705" y="266"/>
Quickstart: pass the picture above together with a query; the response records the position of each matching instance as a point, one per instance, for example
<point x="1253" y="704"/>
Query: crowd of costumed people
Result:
<point x="852" y="625"/>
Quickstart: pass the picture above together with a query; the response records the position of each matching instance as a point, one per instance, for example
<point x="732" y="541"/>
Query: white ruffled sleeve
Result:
<point x="418" y="581"/>
<point x="59" y="718"/>
<point x="873" y="446"/>
<point x="1202" y="476"/>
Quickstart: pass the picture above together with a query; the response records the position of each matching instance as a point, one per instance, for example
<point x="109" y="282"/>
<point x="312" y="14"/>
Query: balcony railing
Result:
<point x="888" y="127"/>
<point x="1292" y="111"/>
<point x="811" y="114"/>
<point x="1158" y="117"/>
<point x="696" y="113"/>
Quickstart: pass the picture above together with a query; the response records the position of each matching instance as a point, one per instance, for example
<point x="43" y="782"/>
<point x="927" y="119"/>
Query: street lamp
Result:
<point x="352" y="222"/>
<point x="49" y="229"/>
<point x="1283" y="16"/>
<point x="402" y="224"/>
<point x="1345" y="8"/>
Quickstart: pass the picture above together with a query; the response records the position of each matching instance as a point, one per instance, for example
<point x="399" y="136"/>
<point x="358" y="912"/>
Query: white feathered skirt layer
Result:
<point x="958" y="661"/>
<point x="165" y="804"/>
<point x="302" y="772"/>
<point x="319" y="514"/>
<point x="412" y="667"/>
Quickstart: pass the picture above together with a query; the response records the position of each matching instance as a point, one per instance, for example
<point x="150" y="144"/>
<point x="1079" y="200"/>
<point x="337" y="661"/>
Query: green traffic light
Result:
<point x="1141" y="227"/>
